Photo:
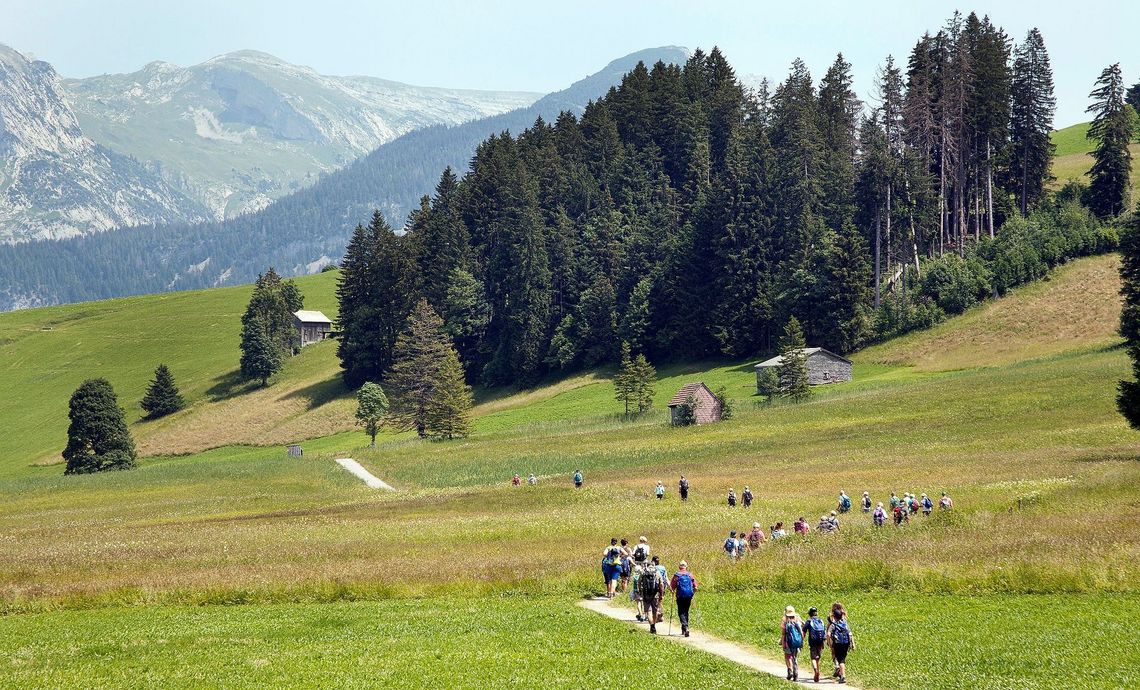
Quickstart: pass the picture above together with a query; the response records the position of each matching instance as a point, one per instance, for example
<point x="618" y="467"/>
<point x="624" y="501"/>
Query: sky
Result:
<point x="543" y="47"/>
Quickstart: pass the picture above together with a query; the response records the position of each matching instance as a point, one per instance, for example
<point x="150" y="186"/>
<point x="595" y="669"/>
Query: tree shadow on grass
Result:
<point x="229" y="385"/>
<point x="320" y="393"/>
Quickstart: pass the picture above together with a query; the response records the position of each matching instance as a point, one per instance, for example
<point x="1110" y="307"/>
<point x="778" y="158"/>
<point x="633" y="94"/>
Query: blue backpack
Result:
<point x="685" y="585"/>
<point x="817" y="631"/>
<point x="793" y="637"/>
<point x="730" y="545"/>
<point x="840" y="634"/>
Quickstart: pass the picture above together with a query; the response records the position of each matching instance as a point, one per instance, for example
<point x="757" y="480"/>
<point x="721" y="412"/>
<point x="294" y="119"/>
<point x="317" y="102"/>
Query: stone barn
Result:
<point x="312" y="326"/>
<point x="823" y="366"/>
<point x="707" y="408"/>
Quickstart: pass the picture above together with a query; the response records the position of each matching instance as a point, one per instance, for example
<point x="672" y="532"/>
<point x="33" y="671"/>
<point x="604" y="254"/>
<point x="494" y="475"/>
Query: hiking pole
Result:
<point x="671" y="621"/>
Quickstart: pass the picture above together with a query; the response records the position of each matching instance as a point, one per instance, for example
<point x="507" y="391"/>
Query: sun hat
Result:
<point x="789" y="611"/>
<point x="682" y="565"/>
<point x="755" y="525"/>
<point x="833" y="513"/>
<point x="642" y="540"/>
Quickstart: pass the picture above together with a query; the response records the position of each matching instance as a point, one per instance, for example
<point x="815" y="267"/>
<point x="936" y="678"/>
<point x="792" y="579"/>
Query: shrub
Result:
<point x="900" y="314"/>
<point x="955" y="284"/>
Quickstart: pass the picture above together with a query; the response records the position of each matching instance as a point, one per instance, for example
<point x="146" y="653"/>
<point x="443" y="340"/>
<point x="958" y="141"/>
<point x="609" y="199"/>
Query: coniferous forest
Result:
<point x="691" y="217"/>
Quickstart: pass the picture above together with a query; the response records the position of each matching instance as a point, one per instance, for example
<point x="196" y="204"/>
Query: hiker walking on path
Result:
<point x="867" y="502"/>
<point x="815" y="630"/>
<point x="660" y="491"/>
<point x="755" y="537"/>
<point x="844" y="502"/>
<point x="741" y="545"/>
<point x="683" y="488"/>
<point x="879" y="517"/>
<point x="840" y="639"/>
<point x="792" y="641"/>
<point x="626" y="566"/>
<point x="651" y="587"/>
<point x="894" y="501"/>
<point x="778" y="531"/>
<point x="611" y="566"/>
<point x="730" y="545"/>
<point x="577" y="479"/>
<point x="801" y="526"/>
<point x="641" y="551"/>
<point x="684" y="586"/>
<point x="945" y="503"/>
<point x="927" y="506"/>
<point x="747" y="497"/>
<point x="732" y="498"/>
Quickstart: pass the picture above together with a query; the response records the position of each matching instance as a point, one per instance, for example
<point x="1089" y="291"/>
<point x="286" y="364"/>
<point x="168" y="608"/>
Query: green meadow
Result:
<point x="221" y="561"/>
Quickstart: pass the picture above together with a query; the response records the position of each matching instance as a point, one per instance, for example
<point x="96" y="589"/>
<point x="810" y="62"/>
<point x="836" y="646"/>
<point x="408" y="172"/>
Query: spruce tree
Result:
<point x="1032" y="105"/>
<point x="162" y="397"/>
<point x="375" y="290"/>
<point x="1132" y="97"/>
<point x="273" y="302"/>
<point x="1128" y="398"/>
<point x="792" y="370"/>
<point x="625" y="381"/>
<point x="768" y="383"/>
<point x="645" y="383"/>
<point x="448" y="413"/>
<point x="97" y="438"/>
<point x="260" y="354"/>
<point x="371" y="409"/>
<point x="1112" y="130"/>
<point x="420" y="351"/>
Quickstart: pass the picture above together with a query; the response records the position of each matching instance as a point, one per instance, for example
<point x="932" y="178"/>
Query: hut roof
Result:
<point x="687" y="390"/>
<point x="807" y="352"/>
<point x="307" y="316"/>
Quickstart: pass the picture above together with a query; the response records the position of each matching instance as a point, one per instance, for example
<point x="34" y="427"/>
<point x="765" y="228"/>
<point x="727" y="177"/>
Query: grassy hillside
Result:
<point x="1073" y="159"/>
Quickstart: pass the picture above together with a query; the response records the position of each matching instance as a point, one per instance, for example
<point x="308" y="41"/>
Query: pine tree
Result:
<point x="768" y="383"/>
<point x="1032" y="105"/>
<point x="97" y="438"/>
<point x="792" y="370"/>
<point x="1132" y="97"/>
<point x="448" y="413"/>
<point x="645" y="383"/>
<point x="375" y="290"/>
<point x="635" y="321"/>
<point x="1112" y="129"/>
<point x="260" y="354"/>
<point x="625" y="381"/>
<point x="1128" y="397"/>
<point x="162" y="397"/>
<point x="273" y="302"/>
<point x="444" y="244"/>
<point x="420" y="351"/>
<point x="466" y="314"/>
<point x="371" y="409"/>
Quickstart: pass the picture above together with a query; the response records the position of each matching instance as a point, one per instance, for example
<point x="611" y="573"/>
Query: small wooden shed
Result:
<point x="707" y="408"/>
<point x="823" y="366"/>
<point x="312" y="326"/>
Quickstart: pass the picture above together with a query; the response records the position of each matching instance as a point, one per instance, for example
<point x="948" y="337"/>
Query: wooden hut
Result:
<point x="823" y="366"/>
<point x="706" y="407"/>
<point x="312" y="326"/>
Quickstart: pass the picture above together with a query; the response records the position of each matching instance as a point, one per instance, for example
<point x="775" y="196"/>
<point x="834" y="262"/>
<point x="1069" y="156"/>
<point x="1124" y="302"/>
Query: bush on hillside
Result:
<point x="954" y="283"/>
<point x="899" y="314"/>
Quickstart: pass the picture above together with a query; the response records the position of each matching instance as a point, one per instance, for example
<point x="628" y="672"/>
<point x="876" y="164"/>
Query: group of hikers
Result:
<point x="644" y="576"/>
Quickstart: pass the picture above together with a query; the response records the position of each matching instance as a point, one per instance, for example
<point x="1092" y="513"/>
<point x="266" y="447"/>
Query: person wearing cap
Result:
<point x="792" y="640"/>
<point x="732" y="498"/>
<point x="641" y="551"/>
<point x="683" y="488"/>
<point x="684" y="587"/>
<point x="815" y="632"/>
<point x="879" y="517"/>
<point x="730" y="545"/>
<point x="746" y="497"/>
<point x="825" y="526"/>
<point x="659" y="491"/>
<point x="756" y="537"/>
<point x="945" y="503"/>
<point x="834" y="520"/>
<point x="927" y="506"/>
<point x="866" y="502"/>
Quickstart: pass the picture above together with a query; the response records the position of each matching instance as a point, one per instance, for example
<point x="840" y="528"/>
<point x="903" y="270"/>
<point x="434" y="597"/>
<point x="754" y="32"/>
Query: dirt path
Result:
<point x="741" y="654"/>
<point x="364" y="475"/>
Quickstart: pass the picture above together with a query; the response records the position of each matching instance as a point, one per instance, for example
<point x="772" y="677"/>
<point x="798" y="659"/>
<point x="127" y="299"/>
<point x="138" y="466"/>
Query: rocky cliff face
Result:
<point x="56" y="183"/>
<point x="242" y="129"/>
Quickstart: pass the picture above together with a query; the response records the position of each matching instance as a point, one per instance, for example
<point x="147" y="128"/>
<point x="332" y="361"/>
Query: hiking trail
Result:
<point x="737" y="653"/>
<point x="364" y="475"/>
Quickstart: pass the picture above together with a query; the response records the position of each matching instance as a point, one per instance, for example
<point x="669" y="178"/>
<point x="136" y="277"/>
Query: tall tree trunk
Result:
<point x="1024" y="178"/>
<point x="888" y="227"/>
<point x="878" y="265"/>
<point x="942" y="202"/>
<point x="989" y="188"/>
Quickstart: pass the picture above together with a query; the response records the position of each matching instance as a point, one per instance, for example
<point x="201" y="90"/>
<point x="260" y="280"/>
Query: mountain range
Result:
<point x="299" y="233"/>
<point x="208" y="142"/>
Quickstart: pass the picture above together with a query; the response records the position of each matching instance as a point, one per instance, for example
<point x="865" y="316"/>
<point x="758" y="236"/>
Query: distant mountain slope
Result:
<point x="55" y="182"/>
<point x="245" y="128"/>
<point x="297" y="234"/>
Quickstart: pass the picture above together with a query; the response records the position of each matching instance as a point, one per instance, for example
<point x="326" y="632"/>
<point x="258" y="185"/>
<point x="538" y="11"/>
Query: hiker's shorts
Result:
<point x="840" y="652"/>
<point x="816" y="650"/>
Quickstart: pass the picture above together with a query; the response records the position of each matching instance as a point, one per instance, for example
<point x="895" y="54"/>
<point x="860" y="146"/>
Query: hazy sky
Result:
<point x="536" y="46"/>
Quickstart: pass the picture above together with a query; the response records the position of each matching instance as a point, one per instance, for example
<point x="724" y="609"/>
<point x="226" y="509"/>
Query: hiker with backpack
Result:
<point x="914" y="505"/>
<point x="755" y="537"/>
<point x="747" y="497"/>
<point x="945" y="503"/>
<point x="730" y="545"/>
<point x="801" y="526"/>
<point x="651" y="587"/>
<point x="516" y="481"/>
<point x="684" y="587"/>
<point x="834" y="520"/>
<point x="844" y="502"/>
<point x="894" y="503"/>
<point x="611" y="567"/>
<point x="732" y="498"/>
<point x="927" y="506"/>
<point x="816" y="632"/>
<point x="879" y="517"/>
<point x="683" y="488"/>
<point x="741" y="545"/>
<point x="777" y="531"/>
<point x="792" y="641"/>
<point x="532" y="480"/>
<point x="626" y="566"/>
<point x="641" y="551"/>
<point x="900" y="514"/>
<point x="840" y="639"/>
<point x="577" y="479"/>
<point x="659" y="491"/>
<point x="867" y="502"/>
<point x="825" y="525"/>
